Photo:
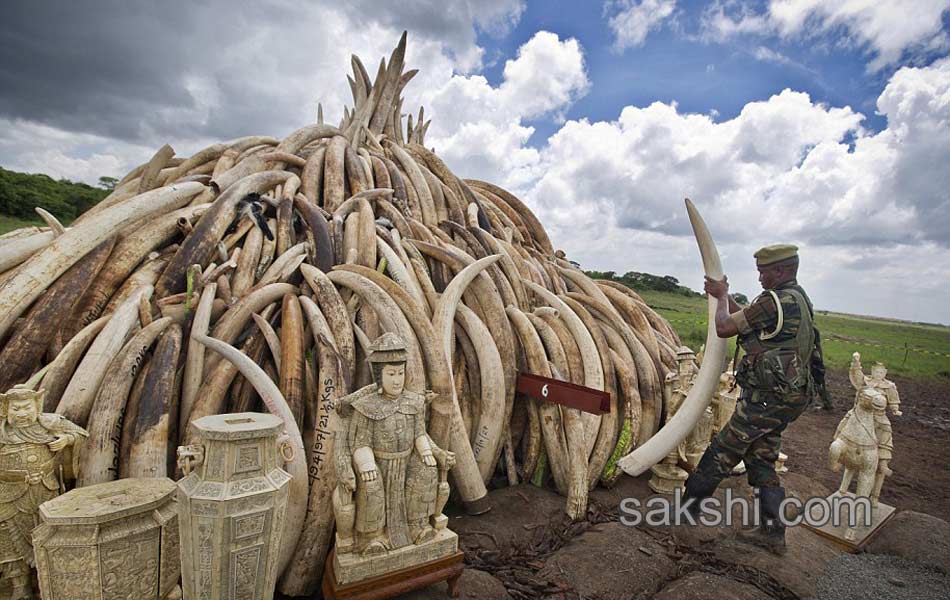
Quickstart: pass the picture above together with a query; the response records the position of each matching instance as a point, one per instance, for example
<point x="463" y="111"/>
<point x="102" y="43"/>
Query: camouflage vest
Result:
<point x="780" y="360"/>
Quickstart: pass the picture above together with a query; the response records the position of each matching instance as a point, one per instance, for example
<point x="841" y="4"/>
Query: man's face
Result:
<point x="22" y="413"/>
<point x="770" y="276"/>
<point x="878" y="372"/>
<point x="393" y="379"/>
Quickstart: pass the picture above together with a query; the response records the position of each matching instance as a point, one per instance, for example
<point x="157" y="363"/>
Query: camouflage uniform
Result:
<point x="766" y="405"/>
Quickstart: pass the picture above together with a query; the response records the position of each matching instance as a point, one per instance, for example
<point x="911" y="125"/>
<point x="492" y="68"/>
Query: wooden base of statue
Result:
<point x="856" y="538"/>
<point x="448" y="568"/>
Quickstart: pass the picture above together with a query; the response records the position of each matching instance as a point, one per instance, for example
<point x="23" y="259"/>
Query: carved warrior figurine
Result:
<point x="37" y="452"/>
<point x="882" y="425"/>
<point x="855" y="448"/>
<point x="392" y="477"/>
<point x="668" y="476"/>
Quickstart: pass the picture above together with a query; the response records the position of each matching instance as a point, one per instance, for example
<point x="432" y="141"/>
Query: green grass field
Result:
<point x="8" y="224"/>
<point x="909" y="349"/>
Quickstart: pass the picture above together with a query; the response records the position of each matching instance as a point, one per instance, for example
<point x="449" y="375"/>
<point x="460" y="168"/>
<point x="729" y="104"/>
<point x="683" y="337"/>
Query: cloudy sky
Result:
<point x="818" y="122"/>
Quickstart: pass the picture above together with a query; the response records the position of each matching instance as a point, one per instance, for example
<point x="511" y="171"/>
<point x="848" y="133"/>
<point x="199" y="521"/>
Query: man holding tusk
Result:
<point x="782" y="350"/>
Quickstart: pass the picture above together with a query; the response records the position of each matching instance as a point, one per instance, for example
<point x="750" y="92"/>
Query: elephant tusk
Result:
<point x="699" y="397"/>
<point x="277" y="405"/>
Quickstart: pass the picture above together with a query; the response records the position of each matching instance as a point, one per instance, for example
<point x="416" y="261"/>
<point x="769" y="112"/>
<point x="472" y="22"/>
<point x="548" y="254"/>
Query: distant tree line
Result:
<point x="21" y="192"/>
<point x="649" y="281"/>
<point x="645" y="281"/>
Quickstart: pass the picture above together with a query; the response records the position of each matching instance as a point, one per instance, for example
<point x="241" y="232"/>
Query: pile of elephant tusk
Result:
<point x="252" y="276"/>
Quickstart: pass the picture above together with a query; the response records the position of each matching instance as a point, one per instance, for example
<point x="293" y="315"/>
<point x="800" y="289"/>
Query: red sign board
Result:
<point x="562" y="392"/>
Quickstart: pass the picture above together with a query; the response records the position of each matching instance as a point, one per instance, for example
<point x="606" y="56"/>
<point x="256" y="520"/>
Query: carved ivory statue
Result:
<point x="855" y="448"/>
<point x="726" y="397"/>
<point x="668" y="476"/>
<point x="35" y="456"/>
<point x="882" y="425"/>
<point x="392" y="477"/>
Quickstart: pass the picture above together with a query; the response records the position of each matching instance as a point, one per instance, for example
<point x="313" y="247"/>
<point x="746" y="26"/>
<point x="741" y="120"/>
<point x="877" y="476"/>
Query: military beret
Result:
<point x="773" y="254"/>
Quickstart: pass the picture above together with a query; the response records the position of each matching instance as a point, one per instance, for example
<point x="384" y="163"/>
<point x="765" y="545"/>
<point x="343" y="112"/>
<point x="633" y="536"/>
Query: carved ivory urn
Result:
<point x="110" y="541"/>
<point x="231" y="507"/>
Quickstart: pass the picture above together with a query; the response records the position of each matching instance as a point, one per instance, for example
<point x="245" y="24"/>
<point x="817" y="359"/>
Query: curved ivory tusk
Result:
<point x="195" y="356"/>
<point x="444" y="316"/>
<point x="80" y="394"/>
<point x="270" y="337"/>
<point x="399" y="273"/>
<point x="17" y="250"/>
<point x="690" y="411"/>
<point x="55" y="226"/>
<point x="319" y="326"/>
<point x="42" y="269"/>
<point x="99" y="458"/>
<point x="593" y="369"/>
<point x="492" y="410"/>
<point x="272" y="398"/>
<point x="33" y="382"/>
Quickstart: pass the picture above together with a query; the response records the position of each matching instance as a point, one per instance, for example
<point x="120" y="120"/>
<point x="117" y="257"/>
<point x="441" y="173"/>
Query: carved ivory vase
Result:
<point x="110" y="541"/>
<point x="231" y="507"/>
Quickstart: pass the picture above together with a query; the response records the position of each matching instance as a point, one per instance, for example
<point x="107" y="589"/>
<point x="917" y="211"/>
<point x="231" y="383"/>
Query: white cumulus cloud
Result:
<point x="888" y="29"/>
<point x="787" y="168"/>
<point x="480" y="129"/>
<point x="634" y="20"/>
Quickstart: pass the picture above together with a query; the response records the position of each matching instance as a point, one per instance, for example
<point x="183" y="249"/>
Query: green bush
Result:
<point x="645" y="281"/>
<point x="20" y="193"/>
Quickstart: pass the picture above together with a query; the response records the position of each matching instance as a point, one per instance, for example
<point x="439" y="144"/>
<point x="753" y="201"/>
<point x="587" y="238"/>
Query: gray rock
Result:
<point x="880" y="577"/>
<point x="701" y="586"/>
<point x="915" y="536"/>
<point x="518" y="513"/>
<point x="807" y="557"/>
<point x="609" y="561"/>
<point x="473" y="585"/>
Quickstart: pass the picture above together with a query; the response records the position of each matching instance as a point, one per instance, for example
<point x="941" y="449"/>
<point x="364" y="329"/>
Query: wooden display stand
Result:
<point x="853" y="540"/>
<point x="448" y="569"/>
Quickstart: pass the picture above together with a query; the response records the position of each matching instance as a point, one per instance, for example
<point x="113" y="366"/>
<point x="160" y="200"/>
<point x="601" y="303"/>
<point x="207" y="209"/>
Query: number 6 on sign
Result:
<point x="562" y="392"/>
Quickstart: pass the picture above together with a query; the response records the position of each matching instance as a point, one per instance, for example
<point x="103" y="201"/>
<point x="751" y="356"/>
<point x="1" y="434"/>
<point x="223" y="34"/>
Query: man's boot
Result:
<point x="770" y="534"/>
<point x="699" y="486"/>
<point x="827" y="404"/>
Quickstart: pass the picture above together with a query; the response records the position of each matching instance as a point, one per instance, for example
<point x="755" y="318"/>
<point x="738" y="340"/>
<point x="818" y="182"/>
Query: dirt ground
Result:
<point x="526" y="549"/>
<point x="921" y="463"/>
